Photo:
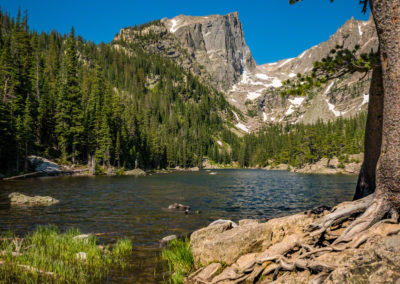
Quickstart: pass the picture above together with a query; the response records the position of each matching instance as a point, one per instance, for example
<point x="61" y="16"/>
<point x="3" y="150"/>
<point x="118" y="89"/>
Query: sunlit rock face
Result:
<point x="217" y="43"/>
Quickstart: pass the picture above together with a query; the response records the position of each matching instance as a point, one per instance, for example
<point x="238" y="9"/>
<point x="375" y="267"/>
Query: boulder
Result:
<point x="135" y="172"/>
<point x="19" y="199"/>
<point x="40" y="164"/>
<point x="224" y="243"/>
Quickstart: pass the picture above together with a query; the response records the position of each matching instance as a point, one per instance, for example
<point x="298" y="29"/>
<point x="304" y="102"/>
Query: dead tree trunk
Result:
<point x="373" y="137"/>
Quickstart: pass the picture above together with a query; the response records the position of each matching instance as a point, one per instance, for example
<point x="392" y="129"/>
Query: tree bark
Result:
<point x="387" y="19"/>
<point x="373" y="137"/>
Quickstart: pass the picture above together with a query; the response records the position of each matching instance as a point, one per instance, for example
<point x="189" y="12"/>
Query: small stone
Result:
<point x="82" y="237"/>
<point x="81" y="256"/>
<point x="166" y="240"/>
<point x="209" y="272"/>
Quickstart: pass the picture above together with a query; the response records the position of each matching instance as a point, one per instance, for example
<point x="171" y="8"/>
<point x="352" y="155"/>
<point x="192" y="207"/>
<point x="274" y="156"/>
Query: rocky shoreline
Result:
<point x="326" y="166"/>
<point x="276" y="251"/>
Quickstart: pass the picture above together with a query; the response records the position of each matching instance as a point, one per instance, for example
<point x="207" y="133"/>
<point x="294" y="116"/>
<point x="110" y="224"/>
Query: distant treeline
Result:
<point x="296" y="144"/>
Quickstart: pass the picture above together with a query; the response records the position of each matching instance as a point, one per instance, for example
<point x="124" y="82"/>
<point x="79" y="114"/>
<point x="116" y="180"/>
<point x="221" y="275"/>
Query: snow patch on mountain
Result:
<point x="242" y="127"/>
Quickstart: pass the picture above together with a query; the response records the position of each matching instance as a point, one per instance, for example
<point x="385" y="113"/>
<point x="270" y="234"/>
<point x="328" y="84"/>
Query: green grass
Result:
<point x="50" y="251"/>
<point x="180" y="259"/>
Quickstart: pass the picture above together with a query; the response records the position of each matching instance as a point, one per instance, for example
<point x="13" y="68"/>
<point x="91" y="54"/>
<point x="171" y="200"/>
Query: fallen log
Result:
<point x="24" y="176"/>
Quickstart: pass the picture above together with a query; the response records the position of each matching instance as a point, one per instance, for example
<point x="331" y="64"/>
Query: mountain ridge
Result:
<point x="214" y="48"/>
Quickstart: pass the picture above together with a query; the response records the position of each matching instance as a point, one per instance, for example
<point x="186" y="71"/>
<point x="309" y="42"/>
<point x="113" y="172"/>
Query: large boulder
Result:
<point x="19" y="199"/>
<point x="225" y="243"/>
<point x="40" y="164"/>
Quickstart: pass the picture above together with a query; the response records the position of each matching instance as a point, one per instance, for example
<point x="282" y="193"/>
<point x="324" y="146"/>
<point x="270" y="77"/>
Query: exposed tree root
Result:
<point x="375" y="212"/>
<point x="340" y="214"/>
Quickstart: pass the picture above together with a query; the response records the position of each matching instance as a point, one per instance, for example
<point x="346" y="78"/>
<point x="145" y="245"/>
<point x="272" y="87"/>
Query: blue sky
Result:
<point x="273" y="29"/>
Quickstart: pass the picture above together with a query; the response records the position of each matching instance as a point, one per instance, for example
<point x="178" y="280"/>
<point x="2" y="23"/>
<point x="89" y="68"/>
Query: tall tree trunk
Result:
<point x="373" y="137"/>
<point x="387" y="19"/>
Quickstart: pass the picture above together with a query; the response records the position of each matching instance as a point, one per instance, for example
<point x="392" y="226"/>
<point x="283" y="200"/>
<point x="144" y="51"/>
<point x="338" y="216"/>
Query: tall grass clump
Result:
<point x="46" y="255"/>
<point x="179" y="258"/>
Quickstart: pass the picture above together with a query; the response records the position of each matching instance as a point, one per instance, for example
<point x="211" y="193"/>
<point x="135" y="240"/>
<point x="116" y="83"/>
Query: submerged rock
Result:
<point x="19" y="199"/>
<point x="135" y="172"/>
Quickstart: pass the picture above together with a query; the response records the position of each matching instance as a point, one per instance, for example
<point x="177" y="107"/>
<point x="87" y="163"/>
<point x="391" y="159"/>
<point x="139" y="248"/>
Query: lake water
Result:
<point x="135" y="207"/>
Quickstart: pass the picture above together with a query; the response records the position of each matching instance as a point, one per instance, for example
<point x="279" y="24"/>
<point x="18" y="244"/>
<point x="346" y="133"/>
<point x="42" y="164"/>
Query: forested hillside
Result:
<point x="66" y="98"/>
<point x="77" y="102"/>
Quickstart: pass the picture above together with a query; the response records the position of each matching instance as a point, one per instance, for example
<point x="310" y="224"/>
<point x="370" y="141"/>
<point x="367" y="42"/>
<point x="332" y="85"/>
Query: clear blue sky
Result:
<point x="273" y="29"/>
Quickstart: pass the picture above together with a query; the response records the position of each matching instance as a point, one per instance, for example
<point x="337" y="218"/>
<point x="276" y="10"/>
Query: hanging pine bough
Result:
<point x="338" y="63"/>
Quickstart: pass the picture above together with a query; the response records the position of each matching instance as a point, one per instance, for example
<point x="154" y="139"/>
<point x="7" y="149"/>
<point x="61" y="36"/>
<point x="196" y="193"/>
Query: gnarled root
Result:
<point x="375" y="213"/>
<point x="340" y="214"/>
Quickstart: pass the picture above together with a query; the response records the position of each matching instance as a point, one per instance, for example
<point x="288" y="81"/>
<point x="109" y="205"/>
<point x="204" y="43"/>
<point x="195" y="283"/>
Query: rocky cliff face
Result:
<point x="217" y="43"/>
<point x="211" y="46"/>
<point x="257" y="94"/>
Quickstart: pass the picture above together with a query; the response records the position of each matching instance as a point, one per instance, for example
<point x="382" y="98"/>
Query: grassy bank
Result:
<point x="47" y="255"/>
<point x="179" y="258"/>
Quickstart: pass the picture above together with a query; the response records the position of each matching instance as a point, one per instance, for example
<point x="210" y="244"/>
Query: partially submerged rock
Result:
<point x="135" y="172"/>
<point x="179" y="207"/>
<point x="19" y="199"/>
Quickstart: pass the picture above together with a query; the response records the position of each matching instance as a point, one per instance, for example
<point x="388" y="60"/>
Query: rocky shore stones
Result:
<point x="135" y="172"/>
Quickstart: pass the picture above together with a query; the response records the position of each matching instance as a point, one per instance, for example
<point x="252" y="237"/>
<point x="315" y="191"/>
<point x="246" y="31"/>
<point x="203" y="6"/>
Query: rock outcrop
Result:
<point x="40" y="164"/>
<point x="254" y="253"/>
<point x="19" y="199"/>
